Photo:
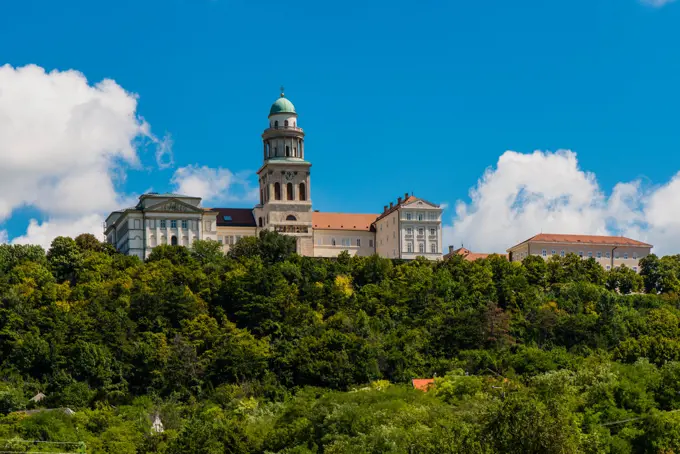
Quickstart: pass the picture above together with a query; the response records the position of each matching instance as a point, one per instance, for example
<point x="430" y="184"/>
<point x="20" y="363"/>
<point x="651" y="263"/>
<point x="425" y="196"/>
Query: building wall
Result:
<point x="607" y="256"/>
<point x="330" y="243"/>
<point x="228" y="236"/>
<point x="387" y="236"/>
<point x="411" y="228"/>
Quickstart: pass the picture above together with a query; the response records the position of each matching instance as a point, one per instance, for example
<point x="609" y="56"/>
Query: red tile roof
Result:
<point x="423" y="384"/>
<point x="342" y="221"/>
<point x="469" y="255"/>
<point x="586" y="239"/>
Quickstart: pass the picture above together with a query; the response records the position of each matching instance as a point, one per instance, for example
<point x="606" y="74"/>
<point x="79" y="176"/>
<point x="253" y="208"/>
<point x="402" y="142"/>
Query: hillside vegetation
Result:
<point x="264" y="351"/>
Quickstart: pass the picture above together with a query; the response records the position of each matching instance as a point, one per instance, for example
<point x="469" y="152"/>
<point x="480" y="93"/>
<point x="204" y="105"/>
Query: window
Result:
<point x="289" y="191"/>
<point x="220" y="239"/>
<point x="562" y="253"/>
<point x="290" y="217"/>
<point x="408" y="216"/>
<point x="625" y="256"/>
<point x="635" y="269"/>
<point x="259" y="221"/>
<point x="420" y="216"/>
<point x="303" y="192"/>
<point x="138" y="223"/>
<point x="287" y="150"/>
<point x="432" y="216"/>
<point x="185" y="224"/>
<point x="358" y="242"/>
<point x="163" y="223"/>
<point x="609" y="267"/>
<point x="421" y="248"/>
<point x="409" y="230"/>
<point x="421" y="231"/>
<point x="276" y="125"/>
<point x="173" y="240"/>
<point x="433" y="231"/>
<point x="409" y="247"/>
<point x="544" y="253"/>
<point x="580" y="253"/>
<point x="285" y="123"/>
<point x="319" y="241"/>
<point x="433" y="248"/>
<point x="332" y="241"/>
<point x="634" y="255"/>
<point x="599" y="255"/>
<point x="227" y="218"/>
<point x="173" y="224"/>
<point x="277" y="191"/>
<point x="607" y="255"/>
<point x="370" y="243"/>
<point x="590" y="254"/>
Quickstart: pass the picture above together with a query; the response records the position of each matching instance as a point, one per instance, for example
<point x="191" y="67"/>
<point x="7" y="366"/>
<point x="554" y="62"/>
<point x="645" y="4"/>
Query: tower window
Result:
<point x="277" y="191"/>
<point x="289" y="191"/>
<point x="290" y="217"/>
<point x="287" y="150"/>
<point x="260" y="222"/>
<point x="303" y="191"/>
<point x="276" y="124"/>
<point x="285" y="123"/>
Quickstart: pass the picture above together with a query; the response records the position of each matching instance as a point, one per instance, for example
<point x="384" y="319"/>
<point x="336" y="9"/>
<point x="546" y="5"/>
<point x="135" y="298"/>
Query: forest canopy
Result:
<point x="262" y="350"/>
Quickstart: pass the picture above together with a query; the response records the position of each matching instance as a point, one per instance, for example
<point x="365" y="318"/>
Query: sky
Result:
<point x="518" y="117"/>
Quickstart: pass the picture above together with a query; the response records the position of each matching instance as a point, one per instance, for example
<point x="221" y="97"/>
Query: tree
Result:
<point x="624" y="280"/>
<point x="64" y="258"/>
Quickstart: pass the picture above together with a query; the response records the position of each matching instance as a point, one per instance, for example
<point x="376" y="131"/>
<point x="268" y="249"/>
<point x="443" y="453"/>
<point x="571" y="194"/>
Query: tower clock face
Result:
<point x="289" y="176"/>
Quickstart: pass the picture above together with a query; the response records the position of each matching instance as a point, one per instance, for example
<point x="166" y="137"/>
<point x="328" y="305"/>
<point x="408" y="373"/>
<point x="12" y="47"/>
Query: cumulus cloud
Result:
<point x="214" y="185"/>
<point x="656" y="3"/>
<point x="63" y="143"/>
<point x="528" y="193"/>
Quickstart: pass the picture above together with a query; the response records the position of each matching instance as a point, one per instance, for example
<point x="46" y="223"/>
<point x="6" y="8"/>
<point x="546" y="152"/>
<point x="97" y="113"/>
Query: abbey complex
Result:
<point x="407" y="228"/>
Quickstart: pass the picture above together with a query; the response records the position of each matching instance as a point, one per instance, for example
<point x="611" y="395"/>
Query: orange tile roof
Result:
<point x="468" y="255"/>
<point x="586" y="239"/>
<point x="423" y="384"/>
<point x="343" y="221"/>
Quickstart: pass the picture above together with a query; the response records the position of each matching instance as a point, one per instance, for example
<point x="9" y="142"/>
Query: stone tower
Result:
<point x="285" y="196"/>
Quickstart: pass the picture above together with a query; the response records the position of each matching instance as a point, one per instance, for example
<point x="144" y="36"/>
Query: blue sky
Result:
<point x="394" y="96"/>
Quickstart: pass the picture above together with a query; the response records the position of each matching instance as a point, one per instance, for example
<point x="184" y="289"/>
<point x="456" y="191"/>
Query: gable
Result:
<point x="174" y="206"/>
<point x="419" y="203"/>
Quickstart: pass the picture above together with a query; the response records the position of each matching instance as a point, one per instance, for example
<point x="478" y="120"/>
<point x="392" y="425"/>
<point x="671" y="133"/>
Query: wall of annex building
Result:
<point x="330" y="242"/>
<point x="228" y="236"/>
<point x="421" y="236"/>
<point x="387" y="236"/>
<point x="603" y="254"/>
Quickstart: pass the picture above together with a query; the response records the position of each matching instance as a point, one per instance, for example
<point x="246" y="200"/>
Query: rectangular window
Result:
<point x="152" y="224"/>
<point x="332" y="241"/>
<point x="607" y="255"/>
<point x="421" y="231"/>
<point x="163" y="223"/>
<point x="432" y="216"/>
<point x="634" y="255"/>
<point x="599" y="255"/>
<point x="173" y="224"/>
<point x="409" y="247"/>
<point x="433" y="248"/>
<point x="370" y="243"/>
<point x="625" y="256"/>
<point x="433" y="232"/>
<point x="562" y="253"/>
<point x="635" y="269"/>
<point x="590" y="254"/>
<point x="185" y="224"/>
<point x="553" y="252"/>
<point x="138" y="223"/>
<point x="409" y="231"/>
<point x="580" y="253"/>
<point x="319" y="241"/>
<point x="608" y="267"/>
<point x="408" y="216"/>
<point x="421" y="248"/>
<point x="358" y="242"/>
<point x="420" y="216"/>
<point x="544" y="253"/>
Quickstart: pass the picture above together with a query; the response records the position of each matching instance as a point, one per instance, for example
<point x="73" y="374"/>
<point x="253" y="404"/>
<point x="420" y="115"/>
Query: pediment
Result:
<point x="174" y="206"/>
<point x="420" y="203"/>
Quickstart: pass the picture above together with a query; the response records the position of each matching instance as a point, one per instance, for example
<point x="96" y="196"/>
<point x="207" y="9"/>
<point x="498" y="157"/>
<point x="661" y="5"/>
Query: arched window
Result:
<point x="303" y="192"/>
<point x="277" y="191"/>
<point x="268" y="150"/>
<point x="261" y="196"/>
<point x="289" y="191"/>
<point x="290" y="217"/>
<point x="260" y="222"/>
<point x="276" y="124"/>
<point x="287" y="150"/>
<point x="173" y="240"/>
<point x="295" y="152"/>
<point x="285" y="123"/>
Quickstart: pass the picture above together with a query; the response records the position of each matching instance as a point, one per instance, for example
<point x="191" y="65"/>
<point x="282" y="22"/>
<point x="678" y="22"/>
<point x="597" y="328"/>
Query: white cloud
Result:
<point x="63" y="143"/>
<point x="543" y="191"/>
<point x="4" y="236"/>
<point x="214" y="185"/>
<point x="657" y="3"/>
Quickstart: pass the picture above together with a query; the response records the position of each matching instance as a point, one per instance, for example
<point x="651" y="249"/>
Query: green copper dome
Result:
<point x="282" y="105"/>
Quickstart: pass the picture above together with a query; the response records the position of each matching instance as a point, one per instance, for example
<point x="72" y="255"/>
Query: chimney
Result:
<point x="398" y="200"/>
<point x="385" y="209"/>
<point x="405" y="195"/>
<point x="450" y="249"/>
<point x="391" y="205"/>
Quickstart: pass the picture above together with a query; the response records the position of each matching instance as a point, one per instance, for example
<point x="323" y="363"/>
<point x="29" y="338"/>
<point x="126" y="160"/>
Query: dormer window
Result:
<point x="227" y="218"/>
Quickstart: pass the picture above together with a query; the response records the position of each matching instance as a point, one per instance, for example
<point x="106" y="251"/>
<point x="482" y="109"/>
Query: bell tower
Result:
<point x="285" y="197"/>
